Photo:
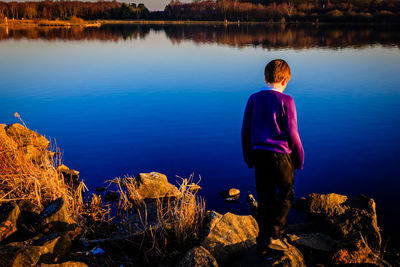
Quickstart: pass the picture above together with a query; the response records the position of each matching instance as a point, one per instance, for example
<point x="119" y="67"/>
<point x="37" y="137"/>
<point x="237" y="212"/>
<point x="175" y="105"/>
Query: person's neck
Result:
<point x="276" y="87"/>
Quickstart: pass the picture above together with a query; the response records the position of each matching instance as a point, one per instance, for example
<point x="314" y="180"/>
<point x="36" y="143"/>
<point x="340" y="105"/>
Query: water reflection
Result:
<point x="267" y="36"/>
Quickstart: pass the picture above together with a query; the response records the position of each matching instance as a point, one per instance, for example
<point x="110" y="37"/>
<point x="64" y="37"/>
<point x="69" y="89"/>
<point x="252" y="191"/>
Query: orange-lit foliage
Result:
<point x="28" y="172"/>
<point x="72" y="9"/>
<point x="219" y="10"/>
<point x="292" y="10"/>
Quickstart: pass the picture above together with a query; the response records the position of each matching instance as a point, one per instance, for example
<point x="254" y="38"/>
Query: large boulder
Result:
<point x="29" y="212"/>
<point x="16" y="254"/>
<point x="359" y="215"/>
<point x="315" y="247"/>
<point x="292" y="257"/>
<point x="320" y="204"/>
<point x="6" y="142"/>
<point x="155" y="185"/>
<point x="33" y="144"/>
<point x="210" y="219"/>
<point x="22" y="134"/>
<point x="344" y="216"/>
<point x="230" y="236"/>
<point x="54" y="218"/>
<point x="53" y="247"/>
<point x="46" y="249"/>
<point x="198" y="257"/>
<point x="9" y="214"/>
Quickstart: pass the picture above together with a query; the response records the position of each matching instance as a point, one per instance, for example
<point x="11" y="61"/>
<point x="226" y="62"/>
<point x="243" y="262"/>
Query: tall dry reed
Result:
<point x="178" y="220"/>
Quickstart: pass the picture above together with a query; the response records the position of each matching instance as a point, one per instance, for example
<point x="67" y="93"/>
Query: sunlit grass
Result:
<point x="179" y="219"/>
<point x="37" y="180"/>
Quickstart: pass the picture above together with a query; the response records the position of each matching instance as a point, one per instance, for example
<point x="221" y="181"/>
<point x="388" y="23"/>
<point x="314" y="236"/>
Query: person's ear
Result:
<point x="284" y="82"/>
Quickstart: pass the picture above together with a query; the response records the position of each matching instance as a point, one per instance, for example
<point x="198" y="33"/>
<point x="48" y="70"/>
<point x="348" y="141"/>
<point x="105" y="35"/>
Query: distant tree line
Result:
<point x="69" y="9"/>
<point x="286" y="10"/>
<point x="216" y="10"/>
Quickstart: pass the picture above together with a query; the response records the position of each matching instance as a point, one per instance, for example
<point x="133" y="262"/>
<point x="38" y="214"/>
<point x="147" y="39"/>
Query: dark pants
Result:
<point x="274" y="174"/>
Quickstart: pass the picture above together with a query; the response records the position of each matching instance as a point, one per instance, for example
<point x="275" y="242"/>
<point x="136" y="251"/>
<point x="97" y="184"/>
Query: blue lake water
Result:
<point x="123" y="100"/>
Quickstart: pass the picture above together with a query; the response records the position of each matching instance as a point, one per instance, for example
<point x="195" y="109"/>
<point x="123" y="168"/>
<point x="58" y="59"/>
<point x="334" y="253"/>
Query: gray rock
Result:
<point x="16" y="254"/>
<point x="22" y="134"/>
<point x="71" y="177"/>
<point x="358" y="215"/>
<point x="231" y="193"/>
<point x="53" y="247"/>
<point x="315" y="247"/>
<point x="198" y="257"/>
<point x="155" y="185"/>
<point x="325" y="204"/>
<point x="46" y="249"/>
<point x="33" y="144"/>
<point x="314" y="241"/>
<point x="210" y="219"/>
<point x="9" y="214"/>
<point x="54" y="218"/>
<point x="292" y="258"/>
<point x="231" y="236"/>
<point x="344" y="216"/>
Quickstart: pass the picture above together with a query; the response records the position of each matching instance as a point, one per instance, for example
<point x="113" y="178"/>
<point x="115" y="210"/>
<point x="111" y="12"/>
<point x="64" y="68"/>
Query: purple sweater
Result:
<point x="270" y="122"/>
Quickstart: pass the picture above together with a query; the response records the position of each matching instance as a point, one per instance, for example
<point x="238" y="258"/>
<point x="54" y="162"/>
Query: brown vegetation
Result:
<point x="28" y="171"/>
<point x="66" y="10"/>
<point x="287" y="10"/>
<point x="385" y="11"/>
<point x="165" y="224"/>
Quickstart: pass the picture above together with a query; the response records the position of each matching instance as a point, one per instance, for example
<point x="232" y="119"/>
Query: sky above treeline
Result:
<point x="150" y="4"/>
<point x="157" y="4"/>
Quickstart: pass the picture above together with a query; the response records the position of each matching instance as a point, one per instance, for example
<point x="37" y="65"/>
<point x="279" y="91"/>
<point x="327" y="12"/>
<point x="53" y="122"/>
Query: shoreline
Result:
<point x="201" y="22"/>
<point x="49" y="23"/>
<point x="99" y="23"/>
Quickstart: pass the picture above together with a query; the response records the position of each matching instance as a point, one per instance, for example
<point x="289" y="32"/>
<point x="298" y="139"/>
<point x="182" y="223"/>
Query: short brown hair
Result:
<point x="277" y="70"/>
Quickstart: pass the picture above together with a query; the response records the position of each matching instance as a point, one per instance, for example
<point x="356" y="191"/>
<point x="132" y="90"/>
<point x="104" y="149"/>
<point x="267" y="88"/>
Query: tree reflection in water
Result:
<point x="272" y="36"/>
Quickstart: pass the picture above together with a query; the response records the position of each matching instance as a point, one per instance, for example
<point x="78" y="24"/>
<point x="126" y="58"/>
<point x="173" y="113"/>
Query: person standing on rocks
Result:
<point x="271" y="144"/>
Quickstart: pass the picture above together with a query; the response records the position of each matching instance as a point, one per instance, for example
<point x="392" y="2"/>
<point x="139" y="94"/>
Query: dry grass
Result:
<point x="186" y="213"/>
<point x="34" y="180"/>
<point x="178" y="220"/>
<point x="129" y="198"/>
<point x="95" y="210"/>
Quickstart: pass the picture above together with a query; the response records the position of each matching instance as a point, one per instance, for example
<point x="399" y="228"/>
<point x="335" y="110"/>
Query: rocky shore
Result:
<point x="147" y="221"/>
